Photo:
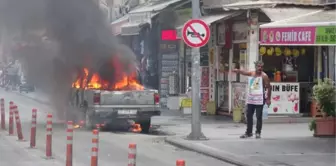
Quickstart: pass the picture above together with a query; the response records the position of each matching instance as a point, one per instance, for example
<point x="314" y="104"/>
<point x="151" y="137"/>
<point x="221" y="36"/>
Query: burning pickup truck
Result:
<point x="121" y="102"/>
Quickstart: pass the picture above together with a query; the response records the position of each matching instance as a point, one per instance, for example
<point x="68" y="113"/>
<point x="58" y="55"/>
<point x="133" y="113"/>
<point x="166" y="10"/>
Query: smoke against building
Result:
<point x="56" y="40"/>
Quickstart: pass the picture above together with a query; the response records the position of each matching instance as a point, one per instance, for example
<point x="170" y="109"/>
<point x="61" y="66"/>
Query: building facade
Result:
<point x="234" y="42"/>
<point x="289" y="60"/>
<point x="143" y="29"/>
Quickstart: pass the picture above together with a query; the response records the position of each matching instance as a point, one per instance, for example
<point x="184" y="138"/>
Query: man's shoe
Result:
<point x="257" y="136"/>
<point x="246" y="136"/>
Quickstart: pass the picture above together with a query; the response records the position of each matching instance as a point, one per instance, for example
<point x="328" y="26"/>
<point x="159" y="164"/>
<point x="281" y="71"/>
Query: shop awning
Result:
<point x="317" y="18"/>
<point x="141" y="16"/>
<point x="212" y="18"/>
<point x="282" y="13"/>
<point x="119" y="20"/>
<point x="132" y="28"/>
<point x="245" y="5"/>
<point x="116" y="25"/>
<point x="154" y="7"/>
<point x="249" y="4"/>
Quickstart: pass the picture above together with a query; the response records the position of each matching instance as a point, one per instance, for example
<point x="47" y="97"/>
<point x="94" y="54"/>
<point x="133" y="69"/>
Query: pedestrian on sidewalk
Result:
<point x="258" y="81"/>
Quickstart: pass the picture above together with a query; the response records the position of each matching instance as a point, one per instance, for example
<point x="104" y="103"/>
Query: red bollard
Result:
<point x="33" y="129"/>
<point x="132" y="155"/>
<point x="180" y="163"/>
<point x="18" y="123"/>
<point x="49" y="137"/>
<point x="94" y="150"/>
<point x="3" y="121"/>
<point x="69" y="144"/>
<point x="11" y="119"/>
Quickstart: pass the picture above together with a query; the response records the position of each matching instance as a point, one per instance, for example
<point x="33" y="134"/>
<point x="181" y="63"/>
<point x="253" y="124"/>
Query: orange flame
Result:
<point x="125" y="81"/>
<point x="136" y="128"/>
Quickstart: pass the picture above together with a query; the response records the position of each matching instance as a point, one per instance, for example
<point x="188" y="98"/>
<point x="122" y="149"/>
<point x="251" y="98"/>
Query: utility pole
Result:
<point x="252" y="38"/>
<point x="196" y="130"/>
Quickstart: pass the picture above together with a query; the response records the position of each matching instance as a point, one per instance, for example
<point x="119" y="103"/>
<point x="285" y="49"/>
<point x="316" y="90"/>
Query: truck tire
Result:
<point x="145" y="125"/>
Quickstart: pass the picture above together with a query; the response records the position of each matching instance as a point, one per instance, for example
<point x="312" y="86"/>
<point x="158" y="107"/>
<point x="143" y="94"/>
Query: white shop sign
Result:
<point x="285" y="98"/>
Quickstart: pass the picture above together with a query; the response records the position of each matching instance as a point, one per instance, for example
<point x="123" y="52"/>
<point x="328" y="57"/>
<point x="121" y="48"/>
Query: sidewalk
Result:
<point x="280" y="145"/>
<point x="37" y="96"/>
<point x="175" y="116"/>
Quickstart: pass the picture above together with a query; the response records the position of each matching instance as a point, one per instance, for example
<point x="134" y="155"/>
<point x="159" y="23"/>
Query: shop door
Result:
<point x="325" y="62"/>
<point x="222" y="97"/>
<point x="222" y="84"/>
<point x="332" y="62"/>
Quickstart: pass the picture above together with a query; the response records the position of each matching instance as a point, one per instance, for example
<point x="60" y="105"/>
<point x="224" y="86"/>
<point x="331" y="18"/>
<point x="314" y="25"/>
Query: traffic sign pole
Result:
<point x="196" y="130"/>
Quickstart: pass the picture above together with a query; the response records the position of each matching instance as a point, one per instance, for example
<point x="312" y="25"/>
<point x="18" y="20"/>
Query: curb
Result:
<point x="32" y="98"/>
<point x="211" y="152"/>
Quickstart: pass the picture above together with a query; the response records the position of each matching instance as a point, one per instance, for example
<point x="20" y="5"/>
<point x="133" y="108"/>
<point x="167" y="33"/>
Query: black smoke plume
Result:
<point x="60" y="38"/>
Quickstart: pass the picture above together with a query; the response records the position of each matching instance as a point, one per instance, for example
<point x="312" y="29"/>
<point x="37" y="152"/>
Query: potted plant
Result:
<point x="324" y="93"/>
<point x="312" y="126"/>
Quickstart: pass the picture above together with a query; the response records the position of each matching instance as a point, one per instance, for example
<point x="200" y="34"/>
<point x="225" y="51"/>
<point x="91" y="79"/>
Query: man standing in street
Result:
<point x="258" y="81"/>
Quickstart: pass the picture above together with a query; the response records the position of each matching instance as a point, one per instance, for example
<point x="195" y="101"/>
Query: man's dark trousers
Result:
<point x="251" y="108"/>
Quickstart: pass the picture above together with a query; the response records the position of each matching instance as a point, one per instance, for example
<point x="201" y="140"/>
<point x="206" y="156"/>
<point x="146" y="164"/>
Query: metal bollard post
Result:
<point x="69" y="143"/>
<point x="94" y="150"/>
<point x="11" y="119"/>
<point x="3" y="121"/>
<point x="33" y="129"/>
<point x="180" y="163"/>
<point x="18" y="124"/>
<point x="132" y="154"/>
<point x="49" y="137"/>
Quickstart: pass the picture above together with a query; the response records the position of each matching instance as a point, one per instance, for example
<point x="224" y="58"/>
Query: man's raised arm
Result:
<point x="242" y="72"/>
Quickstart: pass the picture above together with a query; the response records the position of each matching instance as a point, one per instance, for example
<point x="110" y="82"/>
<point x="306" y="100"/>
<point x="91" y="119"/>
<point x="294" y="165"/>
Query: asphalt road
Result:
<point x="113" y="147"/>
<point x="14" y="153"/>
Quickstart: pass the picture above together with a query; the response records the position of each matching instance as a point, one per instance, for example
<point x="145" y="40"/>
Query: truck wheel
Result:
<point x="145" y="125"/>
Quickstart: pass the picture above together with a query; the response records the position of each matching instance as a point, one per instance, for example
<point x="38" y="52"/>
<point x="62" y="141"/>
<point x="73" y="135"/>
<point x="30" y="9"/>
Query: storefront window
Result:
<point x="288" y="64"/>
<point x="291" y="71"/>
<point x="332" y="55"/>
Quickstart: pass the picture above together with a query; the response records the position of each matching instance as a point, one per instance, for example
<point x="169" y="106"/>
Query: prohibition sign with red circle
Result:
<point x="196" y="33"/>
